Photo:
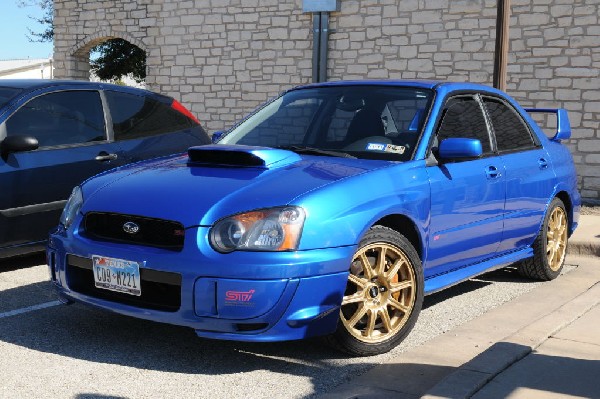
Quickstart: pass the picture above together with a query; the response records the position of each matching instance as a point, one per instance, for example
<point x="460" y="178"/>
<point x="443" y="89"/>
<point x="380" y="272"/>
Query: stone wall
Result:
<point x="222" y="59"/>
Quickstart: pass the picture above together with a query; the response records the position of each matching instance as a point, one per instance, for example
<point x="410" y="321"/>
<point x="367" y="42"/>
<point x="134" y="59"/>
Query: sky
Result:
<point x="14" y="22"/>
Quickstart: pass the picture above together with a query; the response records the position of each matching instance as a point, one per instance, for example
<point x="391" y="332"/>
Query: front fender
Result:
<point x="341" y="213"/>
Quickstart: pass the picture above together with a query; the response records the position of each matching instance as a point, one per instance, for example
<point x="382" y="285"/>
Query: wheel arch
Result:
<point x="568" y="203"/>
<point x="405" y="226"/>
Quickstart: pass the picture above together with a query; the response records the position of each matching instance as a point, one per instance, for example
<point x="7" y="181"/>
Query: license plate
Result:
<point x="117" y="275"/>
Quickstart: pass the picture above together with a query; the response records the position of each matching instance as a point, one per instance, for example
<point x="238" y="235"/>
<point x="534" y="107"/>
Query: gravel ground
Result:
<point x="590" y="210"/>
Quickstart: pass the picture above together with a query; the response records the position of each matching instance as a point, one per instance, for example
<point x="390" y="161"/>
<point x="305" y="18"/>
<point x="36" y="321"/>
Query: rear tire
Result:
<point x="550" y="246"/>
<point x="383" y="296"/>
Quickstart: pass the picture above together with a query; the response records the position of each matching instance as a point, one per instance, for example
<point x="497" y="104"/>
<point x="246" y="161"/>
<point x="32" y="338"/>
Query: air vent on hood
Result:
<point x="241" y="156"/>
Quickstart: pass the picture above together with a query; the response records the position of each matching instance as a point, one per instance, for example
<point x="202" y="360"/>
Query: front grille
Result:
<point x="160" y="290"/>
<point x="151" y="232"/>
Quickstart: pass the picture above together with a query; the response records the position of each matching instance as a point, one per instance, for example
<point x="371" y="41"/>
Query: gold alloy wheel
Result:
<point x="556" y="244"/>
<point x="380" y="295"/>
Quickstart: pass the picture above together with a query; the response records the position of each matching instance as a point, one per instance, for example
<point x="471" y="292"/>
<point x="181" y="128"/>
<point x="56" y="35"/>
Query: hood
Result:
<point x="216" y="181"/>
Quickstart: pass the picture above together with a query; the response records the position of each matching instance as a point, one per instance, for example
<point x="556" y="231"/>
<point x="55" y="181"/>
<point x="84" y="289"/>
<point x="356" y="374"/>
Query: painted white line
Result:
<point x="30" y="309"/>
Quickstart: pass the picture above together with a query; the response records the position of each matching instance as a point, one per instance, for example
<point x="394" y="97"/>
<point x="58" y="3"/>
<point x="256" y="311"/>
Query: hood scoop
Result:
<point x="241" y="156"/>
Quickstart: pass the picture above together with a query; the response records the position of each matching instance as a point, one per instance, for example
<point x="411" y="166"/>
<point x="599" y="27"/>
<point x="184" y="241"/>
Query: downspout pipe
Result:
<point x="316" y="46"/>
<point x="323" y="46"/>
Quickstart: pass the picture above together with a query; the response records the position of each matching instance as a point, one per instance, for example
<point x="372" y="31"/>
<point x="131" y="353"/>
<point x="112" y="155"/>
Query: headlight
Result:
<point x="72" y="206"/>
<point x="276" y="229"/>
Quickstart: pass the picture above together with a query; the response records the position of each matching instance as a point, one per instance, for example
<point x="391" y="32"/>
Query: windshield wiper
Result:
<point x="315" y="151"/>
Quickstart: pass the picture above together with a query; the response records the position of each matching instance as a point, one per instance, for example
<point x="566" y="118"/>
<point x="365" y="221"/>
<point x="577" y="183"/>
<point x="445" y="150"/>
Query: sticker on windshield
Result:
<point x="375" y="147"/>
<point x="396" y="149"/>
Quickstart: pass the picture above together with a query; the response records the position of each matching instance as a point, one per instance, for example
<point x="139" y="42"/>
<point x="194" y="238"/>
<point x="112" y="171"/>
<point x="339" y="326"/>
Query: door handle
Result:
<point x="543" y="163"/>
<point x="492" y="172"/>
<point x="104" y="156"/>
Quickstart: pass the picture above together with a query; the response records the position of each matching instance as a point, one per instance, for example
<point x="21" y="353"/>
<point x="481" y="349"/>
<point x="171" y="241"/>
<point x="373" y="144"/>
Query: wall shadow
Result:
<point x="524" y="370"/>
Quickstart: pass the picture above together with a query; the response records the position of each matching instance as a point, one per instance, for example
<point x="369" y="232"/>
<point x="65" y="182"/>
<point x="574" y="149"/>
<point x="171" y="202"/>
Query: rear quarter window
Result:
<point x="136" y="116"/>
<point x="512" y="133"/>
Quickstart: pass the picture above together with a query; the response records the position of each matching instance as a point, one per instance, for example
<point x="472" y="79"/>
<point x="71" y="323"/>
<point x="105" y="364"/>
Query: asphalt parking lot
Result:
<point x="59" y="351"/>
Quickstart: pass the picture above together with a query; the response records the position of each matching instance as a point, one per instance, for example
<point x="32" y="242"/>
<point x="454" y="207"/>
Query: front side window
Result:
<point x="60" y="118"/>
<point x="375" y="122"/>
<point x="511" y="131"/>
<point x="136" y="116"/>
<point x="463" y="118"/>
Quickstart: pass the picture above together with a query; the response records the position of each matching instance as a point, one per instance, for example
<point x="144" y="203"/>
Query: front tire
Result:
<point x="383" y="296"/>
<point x="550" y="246"/>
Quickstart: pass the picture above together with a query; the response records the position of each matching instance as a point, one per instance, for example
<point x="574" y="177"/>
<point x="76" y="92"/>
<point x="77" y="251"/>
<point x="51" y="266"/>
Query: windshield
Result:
<point x="7" y="94"/>
<point x="374" y="122"/>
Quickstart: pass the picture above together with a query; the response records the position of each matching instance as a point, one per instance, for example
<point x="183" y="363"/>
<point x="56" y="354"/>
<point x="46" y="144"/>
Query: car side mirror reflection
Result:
<point x="459" y="148"/>
<point x="217" y="135"/>
<point x="18" y="144"/>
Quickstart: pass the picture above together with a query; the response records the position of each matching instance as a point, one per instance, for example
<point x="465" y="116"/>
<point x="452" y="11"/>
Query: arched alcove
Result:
<point x="78" y="63"/>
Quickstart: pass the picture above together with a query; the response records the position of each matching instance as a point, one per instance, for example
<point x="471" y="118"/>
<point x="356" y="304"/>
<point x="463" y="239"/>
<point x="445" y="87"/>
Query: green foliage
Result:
<point x="118" y="58"/>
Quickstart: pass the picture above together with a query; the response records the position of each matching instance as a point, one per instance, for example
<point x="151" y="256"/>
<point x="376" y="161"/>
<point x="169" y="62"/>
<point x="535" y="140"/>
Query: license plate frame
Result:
<point x="118" y="275"/>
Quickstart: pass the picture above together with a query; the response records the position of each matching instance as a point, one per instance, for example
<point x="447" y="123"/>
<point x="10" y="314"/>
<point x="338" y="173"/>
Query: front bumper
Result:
<point x="245" y="296"/>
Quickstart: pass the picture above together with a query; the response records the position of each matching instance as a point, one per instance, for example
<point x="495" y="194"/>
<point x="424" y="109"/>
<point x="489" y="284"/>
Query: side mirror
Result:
<point x="460" y="148"/>
<point x="18" y="144"/>
<point x="217" y="135"/>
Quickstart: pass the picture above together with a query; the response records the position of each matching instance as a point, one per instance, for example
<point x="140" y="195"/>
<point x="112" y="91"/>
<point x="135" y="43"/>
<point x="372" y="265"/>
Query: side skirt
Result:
<point x="442" y="281"/>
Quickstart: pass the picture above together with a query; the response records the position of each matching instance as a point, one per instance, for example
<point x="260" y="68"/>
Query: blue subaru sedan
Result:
<point x="54" y="134"/>
<point x="332" y="210"/>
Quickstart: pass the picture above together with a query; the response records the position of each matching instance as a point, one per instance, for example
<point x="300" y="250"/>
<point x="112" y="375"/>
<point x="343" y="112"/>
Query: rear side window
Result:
<point x="60" y="118"/>
<point x="139" y="116"/>
<point x="511" y="131"/>
<point x="463" y="118"/>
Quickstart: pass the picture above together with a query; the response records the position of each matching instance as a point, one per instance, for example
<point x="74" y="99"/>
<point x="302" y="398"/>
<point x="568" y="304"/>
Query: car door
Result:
<point x="529" y="175"/>
<point x="70" y="128"/>
<point x="467" y="196"/>
<point x="147" y="126"/>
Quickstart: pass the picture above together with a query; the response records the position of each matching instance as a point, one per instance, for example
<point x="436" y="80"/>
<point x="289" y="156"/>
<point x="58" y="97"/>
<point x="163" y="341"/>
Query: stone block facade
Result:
<point x="222" y="59"/>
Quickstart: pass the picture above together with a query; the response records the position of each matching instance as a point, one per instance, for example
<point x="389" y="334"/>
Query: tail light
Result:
<point x="176" y="105"/>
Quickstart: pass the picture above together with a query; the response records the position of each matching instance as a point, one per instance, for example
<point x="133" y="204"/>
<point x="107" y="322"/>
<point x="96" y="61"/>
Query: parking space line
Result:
<point x="30" y="309"/>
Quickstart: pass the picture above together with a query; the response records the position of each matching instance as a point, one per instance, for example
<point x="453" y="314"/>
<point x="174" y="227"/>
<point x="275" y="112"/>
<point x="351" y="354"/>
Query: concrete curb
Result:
<point x="586" y="238"/>
<point x="582" y="248"/>
<point x="473" y="375"/>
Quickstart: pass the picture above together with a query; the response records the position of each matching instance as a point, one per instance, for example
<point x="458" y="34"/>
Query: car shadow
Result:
<point x="22" y="262"/>
<point x="25" y="296"/>
<point x="507" y="274"/>
<point x="459" y="289"/>
<point x="80" y="332"/>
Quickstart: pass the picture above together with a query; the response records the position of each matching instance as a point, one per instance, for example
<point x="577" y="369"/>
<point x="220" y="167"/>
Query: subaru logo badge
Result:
<point x="131" y="228"/>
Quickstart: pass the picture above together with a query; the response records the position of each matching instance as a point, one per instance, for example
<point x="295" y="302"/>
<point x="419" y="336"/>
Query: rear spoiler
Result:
<point x="563" y="130"/>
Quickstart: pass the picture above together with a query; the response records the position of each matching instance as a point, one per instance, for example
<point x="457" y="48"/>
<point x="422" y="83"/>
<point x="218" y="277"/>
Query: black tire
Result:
<point x="550" y="245"/>
<point x="381" y="304"/>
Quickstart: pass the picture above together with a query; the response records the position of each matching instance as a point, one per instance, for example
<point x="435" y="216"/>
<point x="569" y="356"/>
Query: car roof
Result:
<point x="33" y="84"/>
<point x="439" y="85"/>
